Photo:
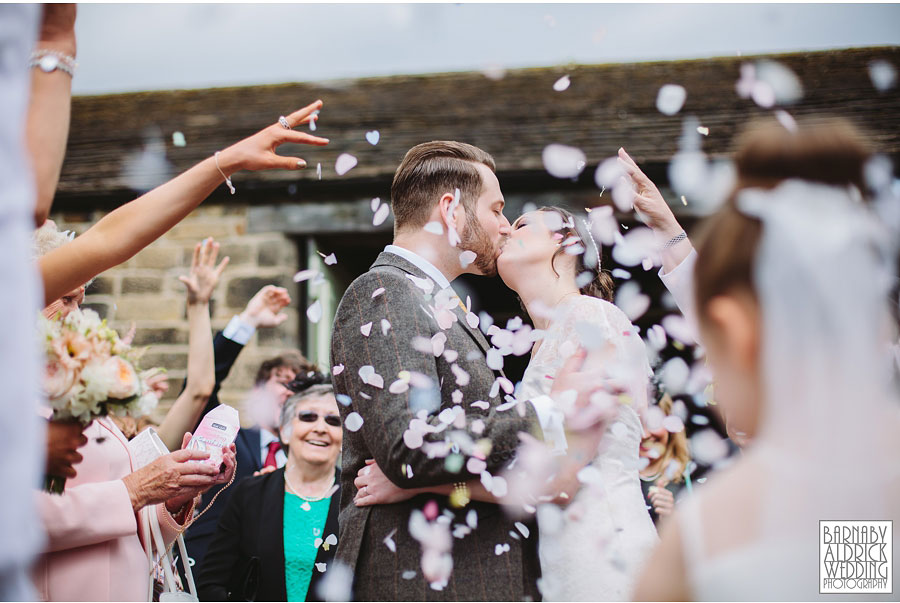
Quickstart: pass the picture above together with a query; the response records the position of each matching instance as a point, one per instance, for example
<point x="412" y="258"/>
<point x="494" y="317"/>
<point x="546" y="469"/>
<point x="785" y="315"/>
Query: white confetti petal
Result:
<point x="451" y="355"/>
<point x="472" y="320"/>
<point x="786" y="120"/>
<point x="562" y="83"/>
<point x="466" y="258"/>
<point x="434" y="228"/>
<point x="563" y="161"/>
<point x="673" y="424"/>
<point x="674" y="375"/>
<point x="345" y="162"/>
<point x="631" y="301"/>
<point x="413" y="439"/>
<point x="319" y="171"/>
<point x="314" y="312"/>
<point x="707" y="447"/>
<point x="482" y="404"/>
<point x="472" y="519"/>
<point x="178" y="139"/>
<point x="670" y="99"/>
<point x="344" y="399"/>
<point x="366" y="329"/>
<point x="331" y="540"/>
<point x="678" y="328"/>
<point x="337" y="369"/>
<point x="321" y="567"/>
<point x="619" y="273"/>
<point x="374" y="203"/>
<point x="381" y="215"/>
<point x="377" y="292"/>
<point x="389" y="541"/>
<point x="476" y="466"/>
<point x="305" y="275"/>
<point x="523" y="529"/>
<point x="330" y="260"/>
<point x="399" y="386"/>
<point x="376" y="380"/>
<point x="353" y="422"/>
<point x="462" y="377"/>
<point x="372" y="137"/>
<point x="366" y="372"/>
<point x="883" y="75"/>
<point x="494" y="359"/>
<point x="425" y="284"/>
<point x="703" y="130"/>
<point x="385" y="326"/>
<point x="408" y="575"/>
<point x="305" y="506"/>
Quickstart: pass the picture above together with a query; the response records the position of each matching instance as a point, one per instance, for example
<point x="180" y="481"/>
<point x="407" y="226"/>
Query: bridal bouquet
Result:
<point x="91" y="372"/>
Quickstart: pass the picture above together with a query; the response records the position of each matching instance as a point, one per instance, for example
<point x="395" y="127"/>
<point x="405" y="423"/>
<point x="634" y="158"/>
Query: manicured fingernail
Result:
<point x="301" y="164"/>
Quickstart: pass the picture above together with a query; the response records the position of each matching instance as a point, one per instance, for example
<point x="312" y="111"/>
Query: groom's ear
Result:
<point x="444" y="204"/>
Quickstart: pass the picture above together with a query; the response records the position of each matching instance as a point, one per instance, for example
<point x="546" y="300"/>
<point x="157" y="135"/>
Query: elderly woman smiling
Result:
<point x="278" y="534"/>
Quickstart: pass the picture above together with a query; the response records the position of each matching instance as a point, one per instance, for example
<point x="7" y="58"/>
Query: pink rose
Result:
<point x="59" y="379"/>
<point x="125" y="382"/>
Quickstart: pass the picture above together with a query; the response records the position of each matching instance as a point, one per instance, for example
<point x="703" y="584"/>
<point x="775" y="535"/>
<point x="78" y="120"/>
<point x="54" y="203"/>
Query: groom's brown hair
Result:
<point x="428" y="171"/>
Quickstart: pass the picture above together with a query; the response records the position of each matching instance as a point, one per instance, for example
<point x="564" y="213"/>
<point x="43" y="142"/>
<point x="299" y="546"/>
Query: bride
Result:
<point x="594" y="547"/>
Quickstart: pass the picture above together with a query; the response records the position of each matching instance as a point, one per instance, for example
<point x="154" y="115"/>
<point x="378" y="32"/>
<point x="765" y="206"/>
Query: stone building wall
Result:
<point x="146" y="290"/>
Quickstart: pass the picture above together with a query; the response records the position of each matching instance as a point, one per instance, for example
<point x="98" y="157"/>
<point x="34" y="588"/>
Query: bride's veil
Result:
<point x="829" y="425"/>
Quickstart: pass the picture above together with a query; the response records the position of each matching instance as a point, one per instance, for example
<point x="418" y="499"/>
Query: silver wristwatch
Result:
<point x="49" y="61"/>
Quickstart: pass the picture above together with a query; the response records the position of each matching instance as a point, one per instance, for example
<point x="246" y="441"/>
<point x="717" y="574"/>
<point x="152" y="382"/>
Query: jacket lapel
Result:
<point x="271" y="527"/>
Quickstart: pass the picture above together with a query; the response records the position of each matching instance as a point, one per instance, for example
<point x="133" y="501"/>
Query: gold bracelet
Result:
<point x="459" y="497"/>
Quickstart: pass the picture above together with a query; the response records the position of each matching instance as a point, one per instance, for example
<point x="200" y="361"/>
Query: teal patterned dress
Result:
<point x="304" y="523"/>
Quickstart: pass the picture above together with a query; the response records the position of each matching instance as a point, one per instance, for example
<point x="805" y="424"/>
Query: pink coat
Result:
<point x="94" y="551"/>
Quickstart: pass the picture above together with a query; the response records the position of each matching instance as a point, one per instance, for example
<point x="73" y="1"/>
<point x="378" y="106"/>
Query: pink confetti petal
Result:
<point x="437" y="344"/>
<point x="337" y="370"/>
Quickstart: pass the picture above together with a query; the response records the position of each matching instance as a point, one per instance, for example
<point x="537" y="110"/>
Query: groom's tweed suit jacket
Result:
<point x="478" y="572"/>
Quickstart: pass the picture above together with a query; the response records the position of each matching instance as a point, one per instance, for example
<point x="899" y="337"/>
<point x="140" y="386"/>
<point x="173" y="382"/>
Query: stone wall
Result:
<point x="146" y="291"/>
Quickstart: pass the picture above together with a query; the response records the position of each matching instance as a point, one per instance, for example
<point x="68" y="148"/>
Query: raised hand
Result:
<point x="204" y="274"/>
<point x="648" y="200"/>
<point x="264" y="308"/>
<point x="258" y="151"/>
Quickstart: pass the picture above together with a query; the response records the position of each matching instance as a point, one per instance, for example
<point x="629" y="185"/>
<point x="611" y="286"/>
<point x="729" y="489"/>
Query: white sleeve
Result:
<point x="238" y="331"/>
<point x="680" y="283"/>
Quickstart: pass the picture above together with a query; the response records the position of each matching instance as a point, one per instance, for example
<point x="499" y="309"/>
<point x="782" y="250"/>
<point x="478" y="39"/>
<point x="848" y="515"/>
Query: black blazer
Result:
<point x="245" y="560"/>
<point x="200" y="533"/>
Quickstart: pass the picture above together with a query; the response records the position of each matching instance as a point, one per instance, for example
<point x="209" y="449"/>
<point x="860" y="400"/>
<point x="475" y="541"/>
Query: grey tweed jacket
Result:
<point x="382" y="574"/>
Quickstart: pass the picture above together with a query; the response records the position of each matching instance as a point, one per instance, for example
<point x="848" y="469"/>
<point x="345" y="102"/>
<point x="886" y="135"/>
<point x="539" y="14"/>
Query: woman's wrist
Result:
<point x="229" y="161"/>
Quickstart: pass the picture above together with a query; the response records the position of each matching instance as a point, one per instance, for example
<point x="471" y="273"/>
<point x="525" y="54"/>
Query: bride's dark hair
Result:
<point x="601" y="285"/>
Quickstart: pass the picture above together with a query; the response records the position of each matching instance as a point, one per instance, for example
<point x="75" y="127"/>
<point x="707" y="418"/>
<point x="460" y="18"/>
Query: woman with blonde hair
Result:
<point x="667" y="457"/>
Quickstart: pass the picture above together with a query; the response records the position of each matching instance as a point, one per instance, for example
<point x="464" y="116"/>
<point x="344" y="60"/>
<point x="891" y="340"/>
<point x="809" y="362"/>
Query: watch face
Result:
<point x="49" y="62"/>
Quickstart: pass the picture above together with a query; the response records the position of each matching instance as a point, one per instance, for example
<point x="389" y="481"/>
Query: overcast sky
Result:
<point x="166" y="46"/>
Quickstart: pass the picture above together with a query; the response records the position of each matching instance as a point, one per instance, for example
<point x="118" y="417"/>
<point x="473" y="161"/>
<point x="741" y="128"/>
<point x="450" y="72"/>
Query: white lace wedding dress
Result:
<point x="594" y="549"/>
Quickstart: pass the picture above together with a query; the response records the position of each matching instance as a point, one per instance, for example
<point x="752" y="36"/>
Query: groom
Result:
<point x="404" y="346"/>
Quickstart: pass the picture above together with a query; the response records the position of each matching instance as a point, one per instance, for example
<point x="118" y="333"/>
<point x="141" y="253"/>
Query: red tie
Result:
<point x="270" y="458"/>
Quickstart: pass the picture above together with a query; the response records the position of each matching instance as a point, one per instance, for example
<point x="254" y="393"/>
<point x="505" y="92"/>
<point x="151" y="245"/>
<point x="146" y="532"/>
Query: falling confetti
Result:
<point x="305" y="275"/>
<point x="683" y="200"/>
<point x="673" y="424"/>
<point x="314" y="312"/>
<point x="353" y="422"/>
<point x="434" y="228"/>
<point x="674" y="375"/>
<point x="385" y="326"/>
<point x="178" y="139"/>
<point x="883" y="75"/>
<point x="330" y="259"/>
<point x="366" y="329"/>
<point x="337" y="583"/>
<point x="786" y="120"/>
<point x="563" y="161"/>
<point x="466" y="258"/>
<point x="562" y="83"/>
<point x="321" y="567"/>
<point x="389" y="541"/>
<point x="670" y="99"/>
<point x="313" y="117"/>
<point x="337" y="369"/>
<point x="381" y="215"/>
<point x="631" y="301"/>
<point x="374" y="203"/>
<point x="703" y="130"/>
<point x="619" y="273"/>
<point x="377" y="292"/>
<point x="399" y="386"/>
<point x="344" y="163"/>
<point x="344" y="399"/>
<point x="319" y="171"/>
<point x="707" y="447"/>
<point x="372" y="137"/>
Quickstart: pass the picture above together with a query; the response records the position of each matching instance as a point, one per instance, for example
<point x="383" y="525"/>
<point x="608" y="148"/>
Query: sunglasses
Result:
<point x="308" y="416"/>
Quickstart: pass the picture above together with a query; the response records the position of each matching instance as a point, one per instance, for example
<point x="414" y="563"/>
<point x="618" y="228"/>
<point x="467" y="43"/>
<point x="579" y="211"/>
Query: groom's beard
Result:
<point x="475" y="239"/>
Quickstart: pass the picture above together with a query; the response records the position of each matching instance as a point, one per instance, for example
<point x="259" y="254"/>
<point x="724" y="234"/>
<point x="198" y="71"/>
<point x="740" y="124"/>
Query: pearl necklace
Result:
<point x="307" y="498"/>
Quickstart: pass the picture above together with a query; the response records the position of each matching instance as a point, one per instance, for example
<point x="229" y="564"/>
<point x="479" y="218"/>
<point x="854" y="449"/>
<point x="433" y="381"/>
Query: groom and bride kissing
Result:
<point x="442" y="442"/>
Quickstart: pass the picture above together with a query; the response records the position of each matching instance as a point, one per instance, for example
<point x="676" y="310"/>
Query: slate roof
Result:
<point x="513" y="118"/>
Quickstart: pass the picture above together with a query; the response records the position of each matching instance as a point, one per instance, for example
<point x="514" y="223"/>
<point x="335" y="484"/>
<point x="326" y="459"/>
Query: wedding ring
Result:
<point x="284" y="123"/>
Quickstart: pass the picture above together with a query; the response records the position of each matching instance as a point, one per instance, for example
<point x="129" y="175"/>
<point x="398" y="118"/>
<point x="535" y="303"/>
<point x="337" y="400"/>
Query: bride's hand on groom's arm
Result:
<point x="374" y="488"/>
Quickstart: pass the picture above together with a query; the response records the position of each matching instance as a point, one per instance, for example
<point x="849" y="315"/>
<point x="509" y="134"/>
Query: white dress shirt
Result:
<point x="680" y="283"/>
<point x="549" y="418"/>
<point x="266" y="436"/>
